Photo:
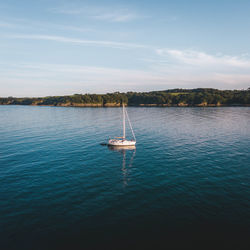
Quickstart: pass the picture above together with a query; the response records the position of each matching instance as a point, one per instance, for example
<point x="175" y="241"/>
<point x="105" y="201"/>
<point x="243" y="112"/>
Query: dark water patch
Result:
<point x="185" y="185"/>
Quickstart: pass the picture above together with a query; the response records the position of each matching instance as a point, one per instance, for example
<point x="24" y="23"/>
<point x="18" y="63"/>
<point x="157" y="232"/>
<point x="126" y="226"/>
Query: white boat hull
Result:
<point x="120" y="143"/>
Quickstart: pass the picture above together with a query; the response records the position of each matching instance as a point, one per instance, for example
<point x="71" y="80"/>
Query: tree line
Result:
<point x="173" y="97"/>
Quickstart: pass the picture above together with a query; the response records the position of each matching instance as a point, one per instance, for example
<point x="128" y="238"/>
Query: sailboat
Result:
<point x="122" y="141"/>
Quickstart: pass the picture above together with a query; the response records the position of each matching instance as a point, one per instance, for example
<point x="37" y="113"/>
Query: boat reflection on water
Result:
<point x="123" y="149"/>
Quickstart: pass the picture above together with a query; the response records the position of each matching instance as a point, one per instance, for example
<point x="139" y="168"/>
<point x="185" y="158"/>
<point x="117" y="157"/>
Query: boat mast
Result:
<point x="124" y="128"/>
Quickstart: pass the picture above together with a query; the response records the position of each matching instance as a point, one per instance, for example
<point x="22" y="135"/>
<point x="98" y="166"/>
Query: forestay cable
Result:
<point x="130" y="124"/>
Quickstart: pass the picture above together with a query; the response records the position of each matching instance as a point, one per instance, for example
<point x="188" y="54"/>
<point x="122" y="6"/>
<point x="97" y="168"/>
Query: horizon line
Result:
<point x="115" y="92"/>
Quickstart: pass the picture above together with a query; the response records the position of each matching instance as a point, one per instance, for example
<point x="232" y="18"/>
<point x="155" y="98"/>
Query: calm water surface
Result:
<point x="186" y="183"/>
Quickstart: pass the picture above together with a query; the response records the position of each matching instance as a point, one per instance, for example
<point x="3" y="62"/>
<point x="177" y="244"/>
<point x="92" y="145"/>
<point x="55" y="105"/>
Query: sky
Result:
<point x="52" y="47"/>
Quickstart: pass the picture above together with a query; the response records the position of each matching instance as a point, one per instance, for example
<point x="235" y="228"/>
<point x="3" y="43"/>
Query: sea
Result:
<point x="186" y="185"/>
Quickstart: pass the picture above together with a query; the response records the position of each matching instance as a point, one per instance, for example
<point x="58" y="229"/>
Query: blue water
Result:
<point x="187" y="183"/>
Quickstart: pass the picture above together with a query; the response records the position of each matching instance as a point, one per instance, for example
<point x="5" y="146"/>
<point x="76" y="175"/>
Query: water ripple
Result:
<point x="190" y="165"/>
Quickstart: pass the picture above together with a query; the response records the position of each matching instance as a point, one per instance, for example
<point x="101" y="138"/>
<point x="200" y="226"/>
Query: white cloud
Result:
<point x="199" y="58"/>
<point x="200" y="69"/>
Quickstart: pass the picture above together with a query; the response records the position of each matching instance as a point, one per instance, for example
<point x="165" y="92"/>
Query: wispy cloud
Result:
<point x="173" y="57"/>
<point x="168" y="68"/>
<point x="199" y="58"/>
<point x="36" y="79"/>
<point x="116" y="17"/>
<point x="101" y="13"/>
<point x="63" y="39"/>
<point x="200" y="69"/>
<point x="54" y="79"/>
<point x="72" y="28"/>
<point x="25" y="24"/>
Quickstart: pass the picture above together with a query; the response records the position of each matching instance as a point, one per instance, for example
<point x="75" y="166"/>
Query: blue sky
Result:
<point x="52" y="47"/>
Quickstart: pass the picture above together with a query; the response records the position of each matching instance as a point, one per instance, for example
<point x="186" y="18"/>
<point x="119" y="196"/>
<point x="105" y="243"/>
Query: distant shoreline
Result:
<point x="200" y="97"/>
<point x="138" y="106"/>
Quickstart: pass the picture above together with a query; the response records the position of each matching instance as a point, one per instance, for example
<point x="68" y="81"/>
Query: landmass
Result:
<point x="201" y="97"/>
